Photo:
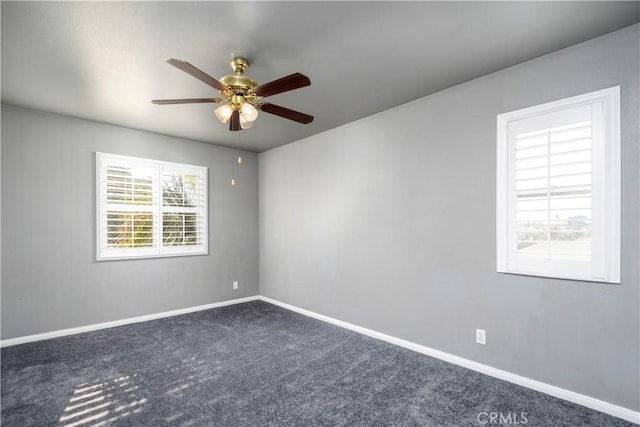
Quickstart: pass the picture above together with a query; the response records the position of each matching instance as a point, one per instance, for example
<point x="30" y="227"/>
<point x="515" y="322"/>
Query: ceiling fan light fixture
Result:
<point x="249" y="112"/>
<point x="241" y="95"/>
<point x="224" y="112"/>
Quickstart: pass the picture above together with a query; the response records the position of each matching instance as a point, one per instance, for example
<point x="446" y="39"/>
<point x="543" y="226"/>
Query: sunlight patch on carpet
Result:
<point x="103" y="402"/>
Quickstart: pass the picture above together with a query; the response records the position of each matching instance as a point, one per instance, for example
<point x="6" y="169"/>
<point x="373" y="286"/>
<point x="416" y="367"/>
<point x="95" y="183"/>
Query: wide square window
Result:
<point x="148" y="208"/>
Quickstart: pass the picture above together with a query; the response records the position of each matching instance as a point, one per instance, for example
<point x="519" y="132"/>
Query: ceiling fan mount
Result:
<point x="242" y="96"/>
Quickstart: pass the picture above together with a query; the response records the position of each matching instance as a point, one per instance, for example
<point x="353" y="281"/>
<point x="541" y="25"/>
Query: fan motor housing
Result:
<point x="241" y="82"/>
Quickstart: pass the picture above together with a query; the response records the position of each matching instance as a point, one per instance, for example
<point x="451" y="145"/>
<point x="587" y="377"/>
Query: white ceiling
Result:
<point x="105" y="61"/>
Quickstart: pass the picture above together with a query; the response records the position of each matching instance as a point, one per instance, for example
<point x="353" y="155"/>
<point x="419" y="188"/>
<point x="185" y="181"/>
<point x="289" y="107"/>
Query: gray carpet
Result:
<point x="256" y="364"/>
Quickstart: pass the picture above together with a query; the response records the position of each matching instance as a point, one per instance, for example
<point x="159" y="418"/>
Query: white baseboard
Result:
<point x="571" y="396"/>
<point x="105" y="325"/>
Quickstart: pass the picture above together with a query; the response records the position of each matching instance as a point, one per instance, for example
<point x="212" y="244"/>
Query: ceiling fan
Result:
<point x="242" y="97"/>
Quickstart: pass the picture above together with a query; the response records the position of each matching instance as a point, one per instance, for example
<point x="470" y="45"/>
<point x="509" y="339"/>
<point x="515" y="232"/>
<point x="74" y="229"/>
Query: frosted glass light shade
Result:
<point x="224" y="112"/>
<point x="249" y="112"/>
<point x="244" y="123"/>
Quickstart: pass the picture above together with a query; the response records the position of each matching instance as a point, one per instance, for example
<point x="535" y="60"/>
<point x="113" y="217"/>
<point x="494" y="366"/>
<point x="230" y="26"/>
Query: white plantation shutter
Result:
<point x="558" y="189"/>
<point x="552" y="186"/>
<point x="148" y="208"/>
<point x="183" y="209"/>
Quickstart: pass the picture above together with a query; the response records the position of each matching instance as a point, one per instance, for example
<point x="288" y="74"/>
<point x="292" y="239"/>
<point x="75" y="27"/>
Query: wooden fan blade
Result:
<point x="183" y="101"/>
<point x="294" y="81"/>
<point x="296" y="116"/>
<point x="234" y="122"/>
<point x="198" y="74"/>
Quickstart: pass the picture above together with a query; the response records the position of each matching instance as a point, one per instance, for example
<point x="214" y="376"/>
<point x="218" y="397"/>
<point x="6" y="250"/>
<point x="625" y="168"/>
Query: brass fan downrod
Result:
<point x="239" y="65"/>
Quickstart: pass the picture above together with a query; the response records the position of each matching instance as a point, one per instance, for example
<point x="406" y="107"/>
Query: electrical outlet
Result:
<point x="481" y="336"/>
<point x="235" y="284"/>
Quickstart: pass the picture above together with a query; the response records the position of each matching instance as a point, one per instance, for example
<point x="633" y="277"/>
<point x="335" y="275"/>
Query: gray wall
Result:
<point x="50" y="279"/>
<point x="389" y="223"/>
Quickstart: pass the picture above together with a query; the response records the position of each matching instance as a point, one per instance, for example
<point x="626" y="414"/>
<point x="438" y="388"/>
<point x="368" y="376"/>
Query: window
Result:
<point x="558" y="189"/>
<point x="148" y="208"/>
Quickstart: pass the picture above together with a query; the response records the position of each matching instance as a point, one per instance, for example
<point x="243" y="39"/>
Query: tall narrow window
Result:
<point x="559" y="189"/>
<point x="149" y="208"/>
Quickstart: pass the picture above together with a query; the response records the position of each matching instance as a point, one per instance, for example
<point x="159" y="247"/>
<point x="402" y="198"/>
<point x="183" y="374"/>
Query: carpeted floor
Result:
<point x="256" y="364"/>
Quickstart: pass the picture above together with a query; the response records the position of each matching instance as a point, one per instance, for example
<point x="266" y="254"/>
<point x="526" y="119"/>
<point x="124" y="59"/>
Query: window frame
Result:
<point x="606" y="171"/>
<point x="157" y="208"/>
